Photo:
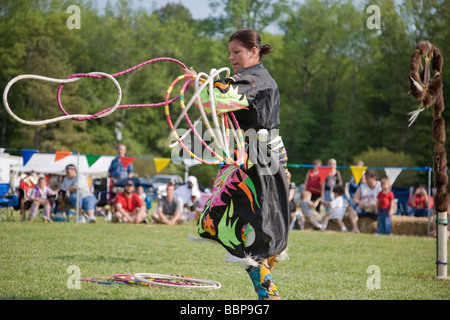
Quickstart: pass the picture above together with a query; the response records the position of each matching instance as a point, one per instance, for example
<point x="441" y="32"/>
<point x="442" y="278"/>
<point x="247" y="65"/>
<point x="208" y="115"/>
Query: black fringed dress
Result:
<point x="248" y="212"/>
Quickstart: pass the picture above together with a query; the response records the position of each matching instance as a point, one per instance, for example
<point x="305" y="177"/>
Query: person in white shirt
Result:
<point x="338" y="208"/>
<point x="366" y="195"/>
<point x="189" y="194"/>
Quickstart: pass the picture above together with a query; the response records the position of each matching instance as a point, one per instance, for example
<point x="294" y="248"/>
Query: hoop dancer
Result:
<point x="248" y="210"/>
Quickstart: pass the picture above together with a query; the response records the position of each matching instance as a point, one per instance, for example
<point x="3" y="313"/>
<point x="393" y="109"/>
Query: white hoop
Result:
<point x="193" y="283"/>
<point x="70" y="116"/>
<point x="219" y="135"/>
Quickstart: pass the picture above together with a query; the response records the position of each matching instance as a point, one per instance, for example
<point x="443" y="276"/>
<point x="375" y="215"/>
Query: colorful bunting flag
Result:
<point x="27" y="154"/>
<point x="161" y="163"/>
<point x="392" y="174"/>
<point x="61" y="155"/>
<point x="126" y="161"/>
<point x="358" y="172"/>
<point x="91" y="159"/>
<point x="324" y="172"/>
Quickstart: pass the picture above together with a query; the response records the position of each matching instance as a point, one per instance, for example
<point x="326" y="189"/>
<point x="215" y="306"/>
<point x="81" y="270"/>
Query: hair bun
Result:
<point x="265" y="49"/>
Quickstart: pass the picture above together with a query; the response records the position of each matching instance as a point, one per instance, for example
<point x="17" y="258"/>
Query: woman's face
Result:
<point x="240" y="57"/>
<point x="42" y="183"/>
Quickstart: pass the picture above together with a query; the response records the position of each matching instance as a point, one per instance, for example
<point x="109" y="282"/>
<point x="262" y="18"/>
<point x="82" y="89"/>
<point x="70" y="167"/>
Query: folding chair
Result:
<point x="103" y="191"/>
<point x="402" y="196"/>
<point x="7" y="202"/>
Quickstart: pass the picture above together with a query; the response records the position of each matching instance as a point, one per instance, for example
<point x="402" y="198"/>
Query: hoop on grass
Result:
<point x="102" y="280"/>
<point x="128" y="279"/>
<point x="176" y="281"/>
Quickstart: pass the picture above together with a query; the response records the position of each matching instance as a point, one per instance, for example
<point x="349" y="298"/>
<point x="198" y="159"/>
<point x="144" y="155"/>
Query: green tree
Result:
<point x="241" y="14"/>
<point x="382" y="157"/>
<point x="319" y="74"/>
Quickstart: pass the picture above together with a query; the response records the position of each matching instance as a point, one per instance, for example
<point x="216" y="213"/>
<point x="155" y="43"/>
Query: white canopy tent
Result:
<point x="7" y="161"/>
<point x="44" y="163"/>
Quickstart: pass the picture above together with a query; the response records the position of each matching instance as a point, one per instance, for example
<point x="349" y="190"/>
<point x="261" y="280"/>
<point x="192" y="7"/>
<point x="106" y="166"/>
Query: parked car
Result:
<point x="160" y="181"/>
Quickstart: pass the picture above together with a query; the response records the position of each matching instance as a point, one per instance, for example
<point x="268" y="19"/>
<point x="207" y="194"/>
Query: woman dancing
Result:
<point x="248" y="212"/>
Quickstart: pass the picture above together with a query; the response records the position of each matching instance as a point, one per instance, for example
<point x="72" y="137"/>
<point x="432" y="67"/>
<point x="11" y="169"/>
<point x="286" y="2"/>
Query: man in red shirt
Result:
<point x="129" y="207"/>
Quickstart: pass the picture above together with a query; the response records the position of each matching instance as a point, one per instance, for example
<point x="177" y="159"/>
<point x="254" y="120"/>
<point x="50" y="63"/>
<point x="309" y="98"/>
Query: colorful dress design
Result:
<point x="248" y="212"/>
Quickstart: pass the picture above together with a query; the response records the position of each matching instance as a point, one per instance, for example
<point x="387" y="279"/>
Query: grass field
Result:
<point x="35" y="257"/>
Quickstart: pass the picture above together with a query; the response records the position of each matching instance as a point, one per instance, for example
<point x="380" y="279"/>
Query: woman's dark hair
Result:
<point x="371" y="173"/>
<point x="249" y="39"/>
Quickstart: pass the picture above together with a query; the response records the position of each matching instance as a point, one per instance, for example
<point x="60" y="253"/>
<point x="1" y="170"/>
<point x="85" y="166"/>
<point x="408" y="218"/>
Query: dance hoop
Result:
<point x="153" y="279"/>
<point x="223" y="123"/>
<point x="77" y="77"/>
<point x="223" y="128"/>
<point x="174" y="281"/>
<point x="102" y="280"/>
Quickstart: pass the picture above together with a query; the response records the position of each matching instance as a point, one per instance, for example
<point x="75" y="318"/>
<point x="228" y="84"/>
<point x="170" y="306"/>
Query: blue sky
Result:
<point x="198" y="8"/>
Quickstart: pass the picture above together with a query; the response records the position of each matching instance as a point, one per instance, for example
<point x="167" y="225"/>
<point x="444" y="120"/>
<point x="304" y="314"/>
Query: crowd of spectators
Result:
<point x="321" y="200"/>
<point x="328" y="198"/>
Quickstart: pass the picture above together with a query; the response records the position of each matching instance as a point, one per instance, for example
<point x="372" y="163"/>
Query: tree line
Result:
<point x="344" y="86"/>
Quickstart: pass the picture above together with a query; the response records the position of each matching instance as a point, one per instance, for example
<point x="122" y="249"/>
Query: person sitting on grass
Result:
<point x="129" y="207"/>
<point x="338" y="208"/>
<point x="168" y="211"/>
<point x="309" y="209"/>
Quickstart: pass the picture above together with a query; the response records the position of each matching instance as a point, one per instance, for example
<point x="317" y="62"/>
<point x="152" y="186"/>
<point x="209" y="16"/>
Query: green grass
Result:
<point x="34" y="258"/>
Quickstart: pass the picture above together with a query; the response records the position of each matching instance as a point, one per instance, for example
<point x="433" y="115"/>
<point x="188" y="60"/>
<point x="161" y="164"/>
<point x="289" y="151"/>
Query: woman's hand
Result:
<point x="189" y="72"/>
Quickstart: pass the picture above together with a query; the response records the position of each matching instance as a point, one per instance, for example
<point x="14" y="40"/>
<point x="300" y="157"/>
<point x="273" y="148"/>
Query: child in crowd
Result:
<point x="141" y="193"/>
<point x="309" y="209"/>
<point x="40" y="197"/>
<point x="385" y="207"/>
<point x="338" y="208"/>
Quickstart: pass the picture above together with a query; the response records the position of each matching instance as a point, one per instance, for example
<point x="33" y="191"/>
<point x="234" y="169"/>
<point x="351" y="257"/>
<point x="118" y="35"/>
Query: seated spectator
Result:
<point x="86" y="199"/>
<point x="27" y="183"/>
<point x="309" y="209"/>
<point x="129" y="207"/>
<point x="144" y="197"/>
<point x="189" y="194"/>
<point x="168" y="211"/>
<point x="334" y="178"/>
<point x="338" y="208"/>
<point x="60" y="202"/>
<point x="40" y="196"/>
<point x="365" y="197"/>
<point x="351" y="186"/>
<point x="292" y="187"/>
<point x="419" y="202"/>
